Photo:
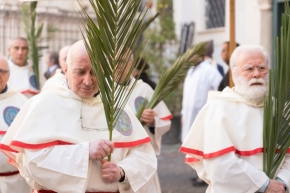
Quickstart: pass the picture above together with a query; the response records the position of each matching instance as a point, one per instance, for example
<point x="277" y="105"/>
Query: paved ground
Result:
<point x="174" y="174"/>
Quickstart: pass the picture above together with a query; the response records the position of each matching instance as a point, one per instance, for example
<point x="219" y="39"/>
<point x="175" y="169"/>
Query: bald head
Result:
<point x="77" y="50"/>
<point x="79" y="73"/>
<point x="4" y="73"/>
<point x="62" y="56"/>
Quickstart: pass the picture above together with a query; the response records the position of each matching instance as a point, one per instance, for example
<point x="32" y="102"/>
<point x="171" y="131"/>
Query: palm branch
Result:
<point x="109" y="44"/>
<point x="276" y="133"/>
<point x="174" y="75"/>
<point x="33" y="33"/>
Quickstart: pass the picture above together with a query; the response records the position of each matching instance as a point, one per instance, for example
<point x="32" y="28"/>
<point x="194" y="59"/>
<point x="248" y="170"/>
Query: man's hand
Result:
<point x="148" y="117"/>
<point x="110" y="172"/>
<point x="100" y="149"/>
<point x="275" y="187"/>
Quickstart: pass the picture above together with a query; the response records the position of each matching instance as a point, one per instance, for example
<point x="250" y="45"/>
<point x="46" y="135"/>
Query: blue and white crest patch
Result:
<point x="32" y="81"/>
<point x="139" y="101"/>
<point x="9" y="114"/>
<point x="124" y="124"/>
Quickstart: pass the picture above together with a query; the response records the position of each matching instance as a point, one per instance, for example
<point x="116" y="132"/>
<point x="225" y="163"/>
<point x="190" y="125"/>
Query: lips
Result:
<point x="256" y="84"/>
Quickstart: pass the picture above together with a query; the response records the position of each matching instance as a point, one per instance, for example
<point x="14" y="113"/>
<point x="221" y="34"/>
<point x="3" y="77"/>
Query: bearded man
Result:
<point x="225" y="143"/>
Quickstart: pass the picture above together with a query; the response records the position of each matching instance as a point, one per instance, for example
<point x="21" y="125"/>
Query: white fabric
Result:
<point x="198" y="82"/>
<point x="47" y="162"/>
<point x="141" y="92"/>
<point x="10" y="103"/>
<point x="56" y="79"/>
<point x="225" y="144"/>
<point x="23" y="79"/>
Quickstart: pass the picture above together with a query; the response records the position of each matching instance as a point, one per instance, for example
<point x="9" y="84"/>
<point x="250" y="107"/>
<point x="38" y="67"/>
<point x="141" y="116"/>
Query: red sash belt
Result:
<point x="50" y="191"/>
<point x="9" y="173"/>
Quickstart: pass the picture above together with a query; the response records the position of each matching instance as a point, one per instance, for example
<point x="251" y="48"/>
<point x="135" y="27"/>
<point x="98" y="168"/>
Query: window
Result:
<point x="215" y="13"/>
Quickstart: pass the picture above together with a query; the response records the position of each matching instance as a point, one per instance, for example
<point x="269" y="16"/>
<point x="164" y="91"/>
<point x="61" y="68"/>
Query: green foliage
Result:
<point x="171" y="78"/>
<point x="33" y="34"/>
<point x="276" y="135"/>
<point x="120" y="25"/>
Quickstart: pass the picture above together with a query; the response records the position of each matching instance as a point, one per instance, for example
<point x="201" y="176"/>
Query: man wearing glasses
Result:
<point x="225" y="142"/>
<point x="10" y="103"/>
<point x="61" y="139"/>
<point x="21" y="73"/>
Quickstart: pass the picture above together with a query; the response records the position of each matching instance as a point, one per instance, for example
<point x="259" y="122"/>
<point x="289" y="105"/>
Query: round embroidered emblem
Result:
<point x="32" y="81"/>
<point x="139" y="101"/>
<point x="124" y="125"/>
<point x="9" y="114"/>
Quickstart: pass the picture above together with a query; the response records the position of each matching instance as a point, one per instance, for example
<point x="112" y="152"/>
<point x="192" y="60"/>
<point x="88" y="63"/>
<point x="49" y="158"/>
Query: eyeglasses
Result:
<point x="3" y="72"/>
<point x="251" y="69"/>
<point x="87" y="128"/>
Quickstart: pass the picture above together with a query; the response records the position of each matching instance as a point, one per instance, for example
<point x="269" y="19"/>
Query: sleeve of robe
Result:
<point x="241" y="176"/>
<point x="65" y="167"/>
<point x="59" y="168"/>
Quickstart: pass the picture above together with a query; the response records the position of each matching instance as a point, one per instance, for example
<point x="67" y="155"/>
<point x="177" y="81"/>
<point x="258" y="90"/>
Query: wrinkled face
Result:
<point x="18" y="52"/>
<point x="251" y="76"/>
<point x="4" y="74"/>
<point x="225" y="53"/>
<point x="80" y="77"/>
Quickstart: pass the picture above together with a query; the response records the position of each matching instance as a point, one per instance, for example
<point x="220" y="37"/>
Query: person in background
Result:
<point x="11" y="101"/>
<point x="208" y="56"/>
<point x="52" y="64"/>
<point x="21" y="73"/>
<point x="143" y="76"/>
<point x="226" y="58"/>
<point x="58" y="77"/>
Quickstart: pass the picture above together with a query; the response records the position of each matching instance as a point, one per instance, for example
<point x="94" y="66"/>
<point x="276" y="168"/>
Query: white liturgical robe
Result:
<point x="225" y="145"/>
<point x="10" y="180"/>
<point x="198" y="82"/>
<point x="23" y="79"/>
<point x="141" y="92"/>
<point x="53" y="81"/>
<point x="49" y="143"/>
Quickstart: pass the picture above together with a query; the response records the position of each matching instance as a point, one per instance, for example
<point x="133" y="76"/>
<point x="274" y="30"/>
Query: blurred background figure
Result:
<point x="226" y="58"/>
<point x="208" y="57"/>
<point x="10" y="103"/>
<point x="21" y="72"/>
<point x="58" y="77"/>
<point x="143" y="76"/>
<point x="52" y="64"/>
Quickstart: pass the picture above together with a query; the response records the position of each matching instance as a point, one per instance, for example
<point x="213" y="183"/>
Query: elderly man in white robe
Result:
<point x="59" y="73"/>
<point x="225" y="142"/>
<point x="21" y="72"/>
<point x="59" y="139"/>
<point x="10" y="103"/>
<point x="156" y="121"/>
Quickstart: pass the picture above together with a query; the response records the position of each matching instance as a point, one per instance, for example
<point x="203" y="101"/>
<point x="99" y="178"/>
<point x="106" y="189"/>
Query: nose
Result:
<point x="88" y="80"/>
<point x="256" y="73"/>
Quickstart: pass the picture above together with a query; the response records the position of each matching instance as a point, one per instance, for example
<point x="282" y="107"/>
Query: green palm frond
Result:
<point x="174" y="75"/>
<point x="276" y="134"/>
<point x="33" y="33"/>
<point x="109" y="44"/>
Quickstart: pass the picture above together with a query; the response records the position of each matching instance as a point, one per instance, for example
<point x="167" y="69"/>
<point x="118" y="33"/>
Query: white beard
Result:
<point x="255" y="93"/>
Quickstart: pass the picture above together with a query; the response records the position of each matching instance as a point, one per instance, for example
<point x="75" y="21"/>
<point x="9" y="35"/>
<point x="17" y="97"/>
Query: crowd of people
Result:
<point x="55" y="139"/>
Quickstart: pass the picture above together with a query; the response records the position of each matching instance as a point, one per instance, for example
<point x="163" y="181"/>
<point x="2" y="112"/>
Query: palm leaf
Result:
<point x="108" y="45"/>
<point x="174" y="75"/>
<point x="276" y="139"/>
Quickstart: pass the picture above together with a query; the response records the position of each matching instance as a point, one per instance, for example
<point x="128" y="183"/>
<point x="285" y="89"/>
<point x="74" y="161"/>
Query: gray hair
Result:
<point x="248" y="49"/>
